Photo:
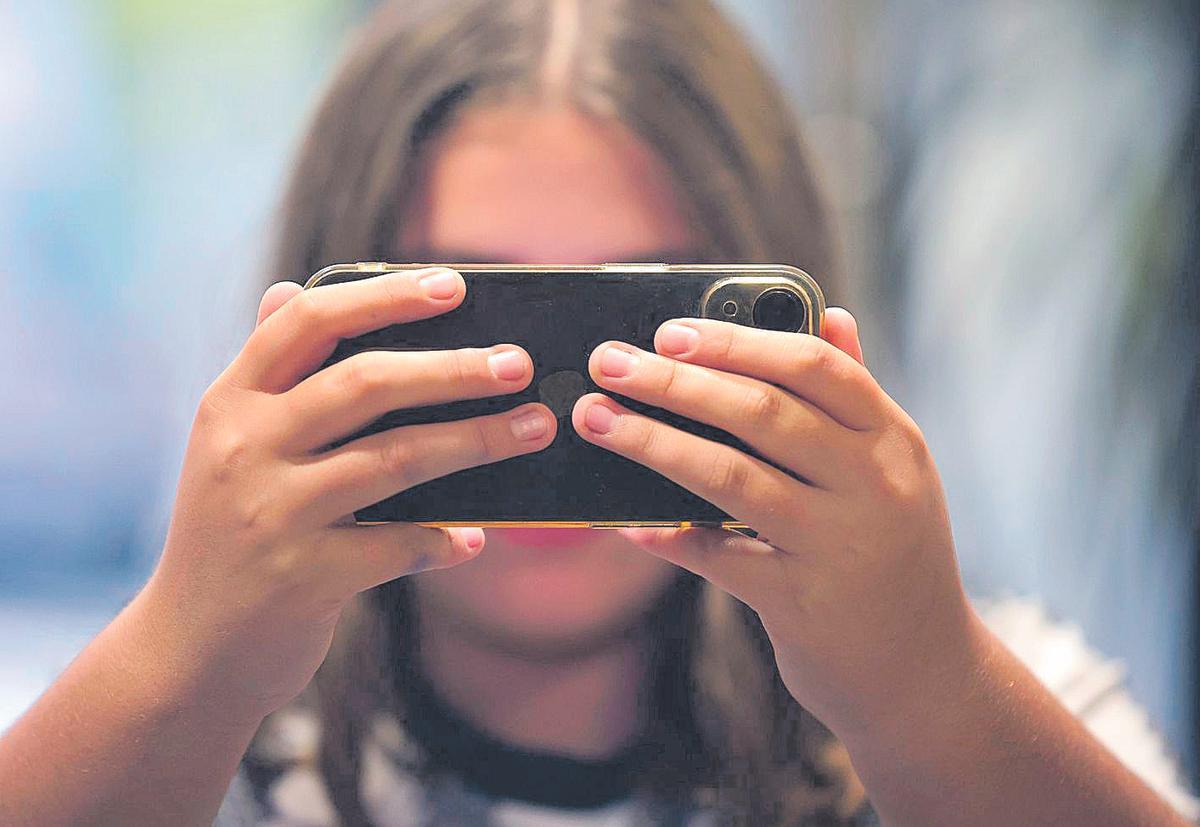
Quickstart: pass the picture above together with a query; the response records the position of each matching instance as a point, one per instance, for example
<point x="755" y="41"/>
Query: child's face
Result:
<point x="541" y="185"/>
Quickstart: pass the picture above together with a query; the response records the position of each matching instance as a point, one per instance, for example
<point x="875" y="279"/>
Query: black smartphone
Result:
<point x="560" y="314"/>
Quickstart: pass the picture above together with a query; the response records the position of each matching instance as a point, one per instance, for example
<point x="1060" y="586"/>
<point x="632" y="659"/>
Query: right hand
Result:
<point x="262" y="552"/>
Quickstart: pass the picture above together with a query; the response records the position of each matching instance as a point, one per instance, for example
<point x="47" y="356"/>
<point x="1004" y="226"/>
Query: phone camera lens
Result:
<point x="779" y="309"/>
<point x="729" y="308"/>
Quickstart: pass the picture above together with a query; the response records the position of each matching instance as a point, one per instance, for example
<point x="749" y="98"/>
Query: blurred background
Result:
<point x="1015" y="183"/>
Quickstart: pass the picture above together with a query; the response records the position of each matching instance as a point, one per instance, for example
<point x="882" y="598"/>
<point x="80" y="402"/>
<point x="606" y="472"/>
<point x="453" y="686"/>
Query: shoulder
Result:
<point x="278" y="783"/>
<point x="1093" y="688"/>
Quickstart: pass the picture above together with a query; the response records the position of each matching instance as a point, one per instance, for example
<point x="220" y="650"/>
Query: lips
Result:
<point x="546" y="537"/>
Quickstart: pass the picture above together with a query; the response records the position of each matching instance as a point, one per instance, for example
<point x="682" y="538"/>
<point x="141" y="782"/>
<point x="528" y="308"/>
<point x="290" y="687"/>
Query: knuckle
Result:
<point x="910" y="441"/>
<point x="672" y="379"/>
<point x="901" y="479"/>
<point x="397" y="288"/>
<point x="213" y="407"/>
<point x="395" y="459"/>
<point x="762" y="406"/>
<point x="900" y="487"/>
<point x="459" y="369"/>
<point x="480" y="443"/>
<point x="434" y="549"/>
<point x="729" y="474"/>
<point x="230" y="453"/>
<point x="362" y="375"/>
<point x="917" y="446"/>
<point x="286" y="567"/>
<point x="647" y="442"/>
<point x="812" y="356"/>
<point x="427" y="550"/>
<point x="421" y="561"/>
<point x="258" y="518"/>
<point x="304" y="307"/>
<point x="727" y="345"/>
<point x="279" y="562"/>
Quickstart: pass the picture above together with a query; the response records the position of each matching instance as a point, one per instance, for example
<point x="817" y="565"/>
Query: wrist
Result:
<point x="181" y="668"/>
<point x="940" y="689"/>
<point x="934" y="735"/>
<point x="989" y="744"/>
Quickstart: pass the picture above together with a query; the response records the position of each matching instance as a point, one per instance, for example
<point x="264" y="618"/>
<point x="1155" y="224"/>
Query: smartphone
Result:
<point x="559" y="315"/>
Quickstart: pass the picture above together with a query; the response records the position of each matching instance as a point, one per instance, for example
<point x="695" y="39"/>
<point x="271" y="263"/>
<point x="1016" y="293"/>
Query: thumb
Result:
<point x="741" y="565"/>
<point x="841" y="330"/>
<point x="277" y="296"/>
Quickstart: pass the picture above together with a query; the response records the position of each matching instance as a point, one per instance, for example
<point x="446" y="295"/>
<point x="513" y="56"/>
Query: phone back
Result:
<point x="560" y="315"/>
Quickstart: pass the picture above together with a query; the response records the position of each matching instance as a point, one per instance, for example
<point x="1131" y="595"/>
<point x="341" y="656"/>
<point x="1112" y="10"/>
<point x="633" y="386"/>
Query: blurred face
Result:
<point x="531" y="185"/>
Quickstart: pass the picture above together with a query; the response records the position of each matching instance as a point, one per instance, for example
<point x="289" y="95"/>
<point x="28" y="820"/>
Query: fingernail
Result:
<point x="599" y="419"/>
<point x="529" y="425"/>
<point x="507" y="364"/>
<point x="472" y="536"/>
<point x="616" y="362"/>
<point x="677" y="338"/>
<point x="440" y="284"/>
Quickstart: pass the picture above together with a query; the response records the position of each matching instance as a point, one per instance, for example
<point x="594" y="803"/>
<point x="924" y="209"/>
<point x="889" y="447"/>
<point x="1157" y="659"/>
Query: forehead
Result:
<point x="543" y="185"/>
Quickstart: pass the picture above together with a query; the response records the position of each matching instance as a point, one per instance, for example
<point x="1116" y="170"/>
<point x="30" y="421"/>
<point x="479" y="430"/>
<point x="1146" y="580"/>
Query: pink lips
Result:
<point x="546" y="537"/>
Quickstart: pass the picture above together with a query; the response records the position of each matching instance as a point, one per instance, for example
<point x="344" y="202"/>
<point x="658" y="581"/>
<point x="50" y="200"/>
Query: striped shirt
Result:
<point x="1090" y="686"/>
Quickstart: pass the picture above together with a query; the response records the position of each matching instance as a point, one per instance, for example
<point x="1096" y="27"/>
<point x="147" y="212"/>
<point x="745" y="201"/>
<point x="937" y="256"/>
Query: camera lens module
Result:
<point x="778" y="309"/>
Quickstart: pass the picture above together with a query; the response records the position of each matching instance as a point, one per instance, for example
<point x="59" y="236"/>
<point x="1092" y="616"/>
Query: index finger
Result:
<point x="296" y="339"/>
<point x="806" y="365"/>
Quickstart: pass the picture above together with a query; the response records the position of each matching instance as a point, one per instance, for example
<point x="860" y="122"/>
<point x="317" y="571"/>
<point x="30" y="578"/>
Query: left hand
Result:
<point x="854" y="575"/>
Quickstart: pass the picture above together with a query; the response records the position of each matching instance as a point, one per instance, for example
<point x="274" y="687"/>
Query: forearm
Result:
<point x="122" y="737"/>
<point x="989" y="745"/>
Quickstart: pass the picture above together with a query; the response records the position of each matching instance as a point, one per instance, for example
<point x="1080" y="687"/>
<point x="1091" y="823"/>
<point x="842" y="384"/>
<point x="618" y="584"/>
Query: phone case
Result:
<point x="560" y="314"/>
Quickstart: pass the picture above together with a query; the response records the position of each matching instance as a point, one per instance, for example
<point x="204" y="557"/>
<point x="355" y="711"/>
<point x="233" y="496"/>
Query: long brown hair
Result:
<point x="681" y="77"/>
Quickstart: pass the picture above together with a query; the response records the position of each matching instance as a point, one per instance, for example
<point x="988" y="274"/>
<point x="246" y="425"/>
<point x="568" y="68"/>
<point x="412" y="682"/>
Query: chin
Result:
<point x="524" y="619"/>
<point x="553" y="635"/>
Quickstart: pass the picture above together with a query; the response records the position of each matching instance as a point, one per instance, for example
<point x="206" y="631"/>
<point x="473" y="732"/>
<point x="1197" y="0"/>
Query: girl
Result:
<point x="557" y="676"/>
